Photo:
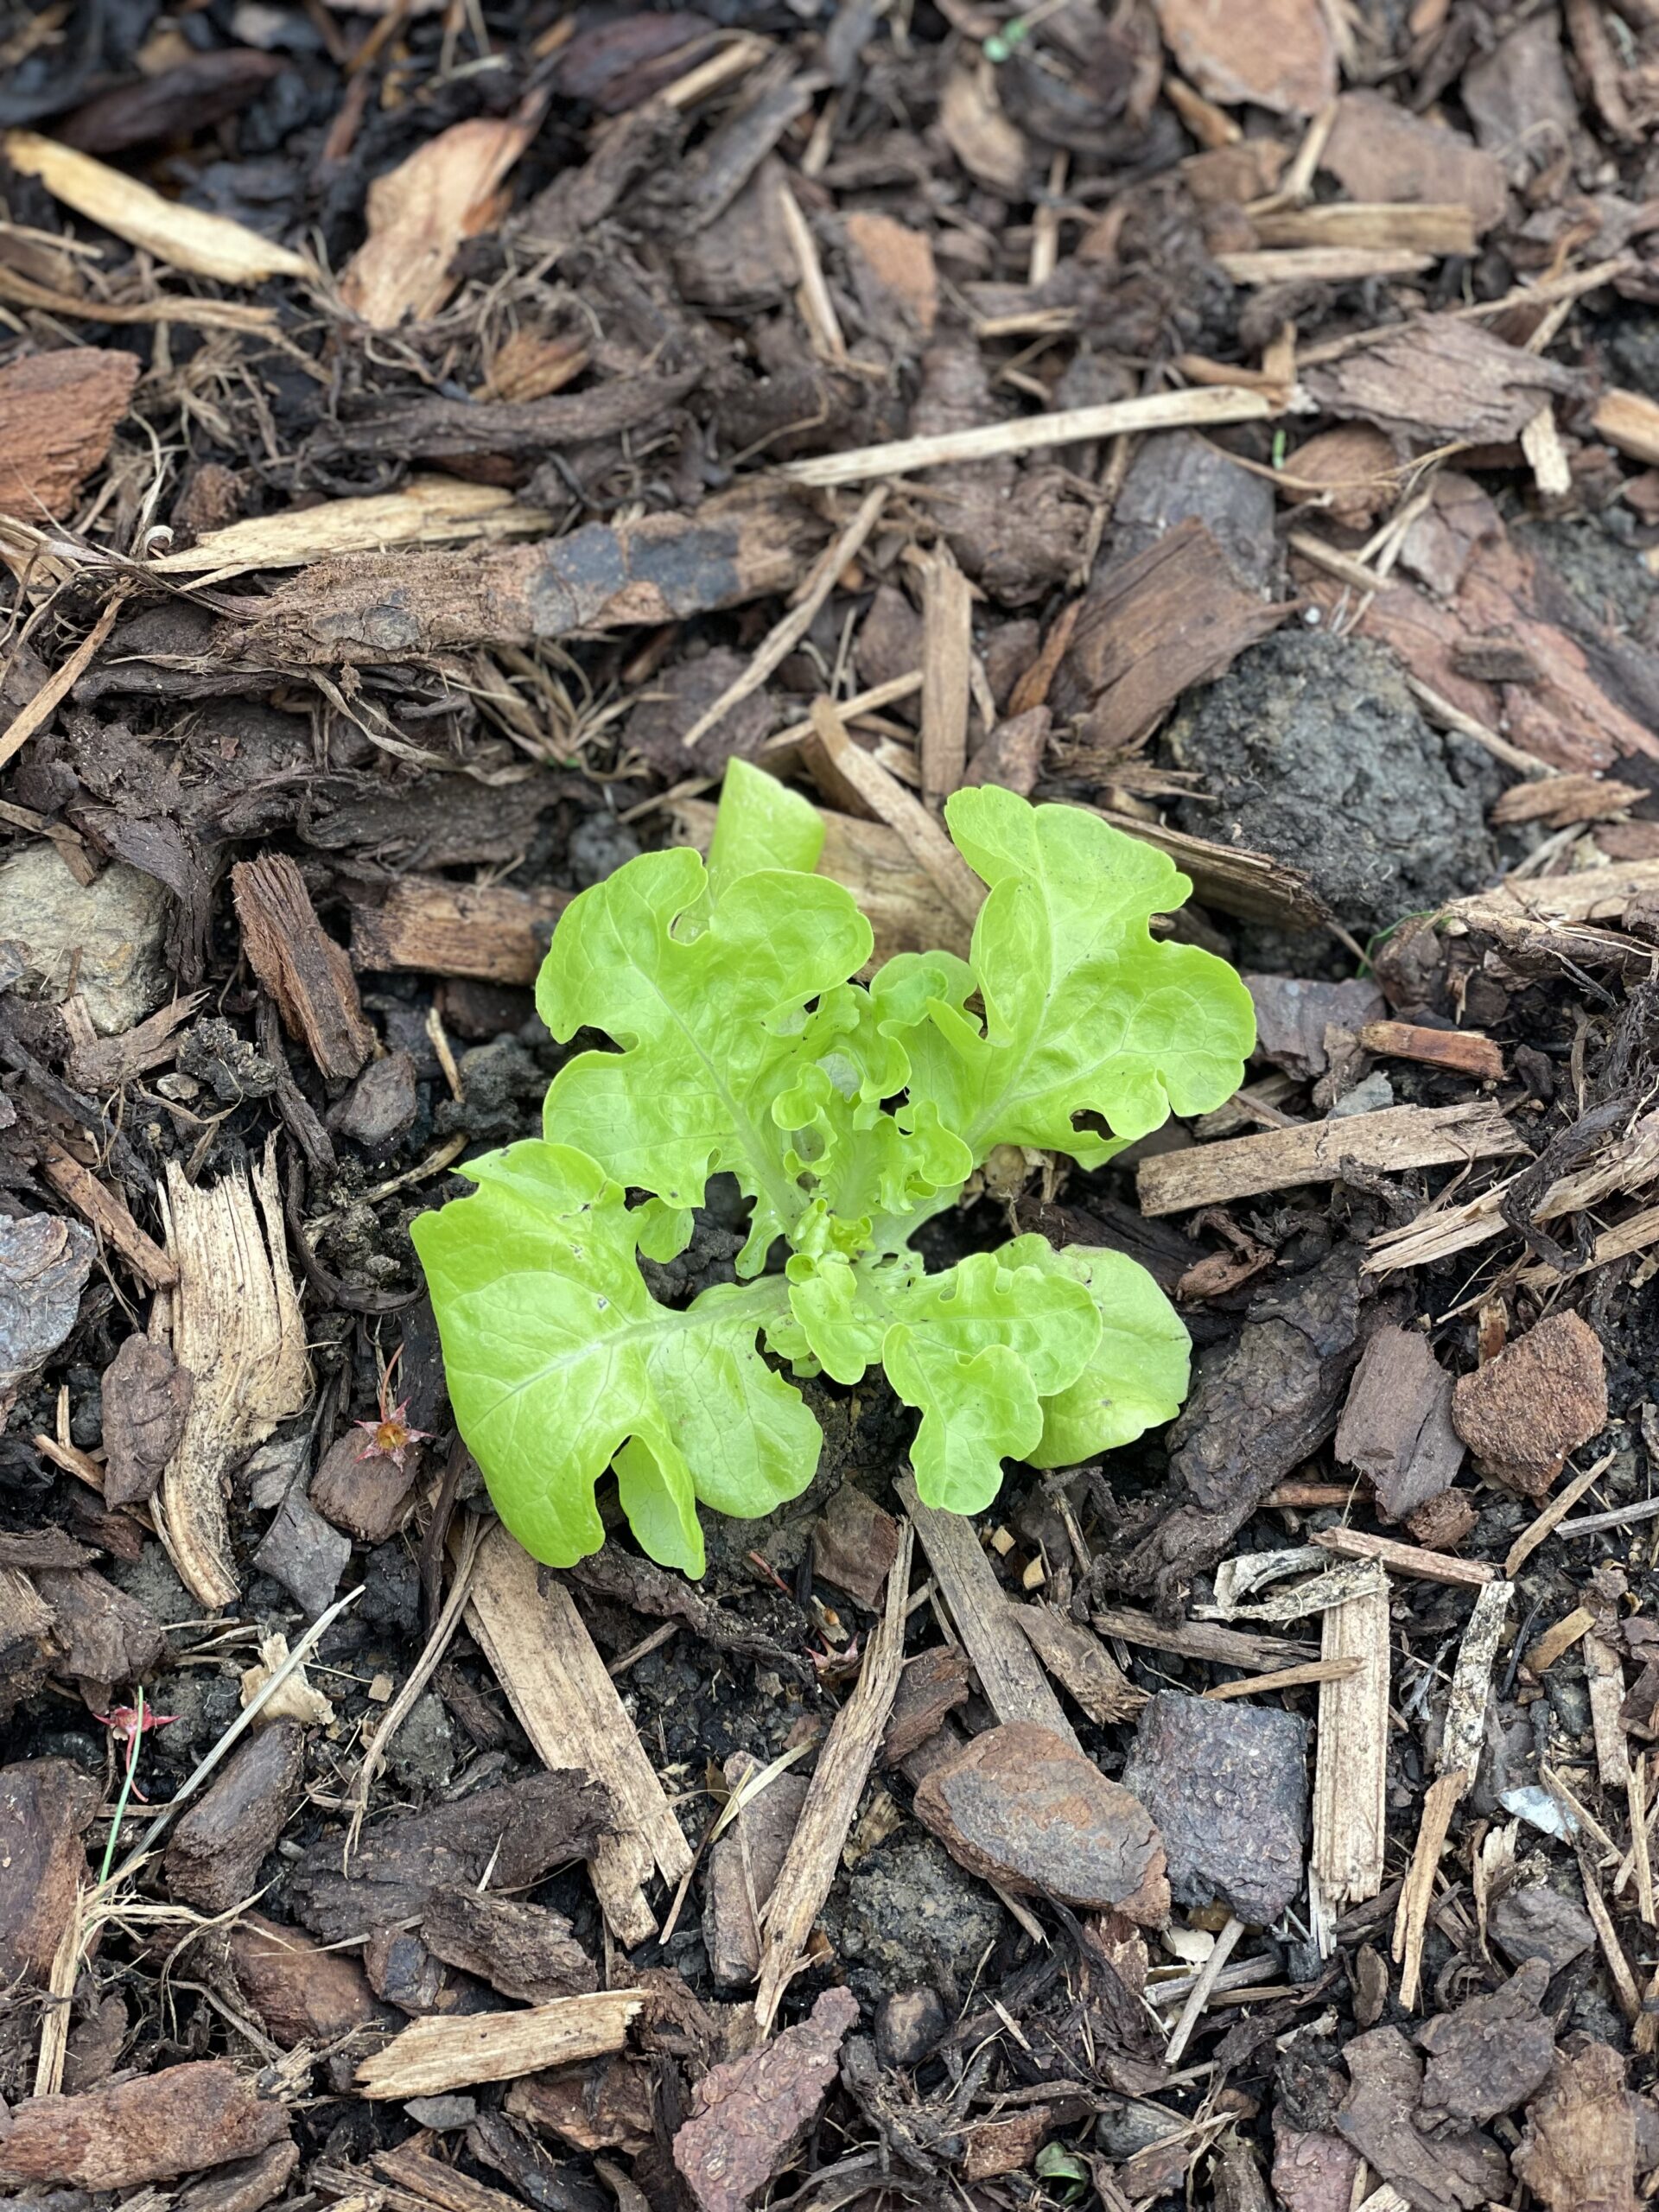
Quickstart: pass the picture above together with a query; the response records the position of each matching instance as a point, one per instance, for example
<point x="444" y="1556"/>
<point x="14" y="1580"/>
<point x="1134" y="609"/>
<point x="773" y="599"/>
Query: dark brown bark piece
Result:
<point x="748" y="2117"/>
<point x="933" y="1686"/>
<point x="44" y="1806"/>
<point x="1378" y="150"/>
<point x="854" y="1544"/>
<point x="491" y="931"/>
<point x="214" y="1859"/>
<point x="246" y="2185"/>
<point x="1292" y="1017"/>
<point x="305" y="971"/>
<point x="526" y="1951"/>
<point x="44" y="1264"/>
<point x="1019" y="1806"/>
<point x="178" y="2122"/>
<point x="364" y="1492"/>
<point x="426" y="428"/>
<point x="519" y="1833"/>
<point x="663" y="569"/>
<point x="1579" y="2150"/>
<point x="1451" y="2172"/>
<point x="300" y="1992"/>
<point x="1539" y="1923"/>
<point x="1227" y="1784"/>
<point x="1542" y="1396"/>
<point x="57" y="413"/>
<point x="177" y="102"/>
<point x="146" y="1397"/>
<point x="1443" y="1522"/>
<point x="1170" y="617"/>
<point x="1396" y="1426"/>
<point x="1314" y="2172"/>
<point x="1491" y="2053"/>
<point x="1013" y="755"/>
<point x="43" y="1547"/>
<point x="379" y="1106"/>
<point x="103" y="1639"/>
<point x="743" y="1869"/>
<point x="302" y="1551"/>
<point x="606" y="2106"/>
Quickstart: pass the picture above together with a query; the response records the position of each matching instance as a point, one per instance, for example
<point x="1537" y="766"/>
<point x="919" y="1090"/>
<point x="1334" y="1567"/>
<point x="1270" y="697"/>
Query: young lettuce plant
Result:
<point x="849" y="1115"/>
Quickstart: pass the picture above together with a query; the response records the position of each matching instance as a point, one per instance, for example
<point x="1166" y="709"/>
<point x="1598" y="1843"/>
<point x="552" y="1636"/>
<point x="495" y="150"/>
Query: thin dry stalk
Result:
<point x="886" y="799"/>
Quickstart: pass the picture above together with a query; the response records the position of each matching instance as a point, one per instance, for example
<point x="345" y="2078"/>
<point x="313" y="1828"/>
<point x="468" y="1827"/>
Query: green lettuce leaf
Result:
<point x="560" y="1361"/>
<point x="1137" y="1374"/>
<point x="710" y="1025"/>
<point x="1084" y="1012"/>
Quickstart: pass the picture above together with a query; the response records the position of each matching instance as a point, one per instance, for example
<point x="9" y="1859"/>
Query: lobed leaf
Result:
<point x="1084" y="1012"/>
<point x="560" y="1361"/>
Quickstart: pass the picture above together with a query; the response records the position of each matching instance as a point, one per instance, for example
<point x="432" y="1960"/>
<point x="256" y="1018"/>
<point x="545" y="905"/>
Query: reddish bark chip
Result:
<point x="747" y="2117"/>
<point x="57" y="413"/>
<point x="44" y="1805"/>
<point x="178" y="2122"/>
<point x="1019" y="1806"/>
<point x="1540" y="1398"/>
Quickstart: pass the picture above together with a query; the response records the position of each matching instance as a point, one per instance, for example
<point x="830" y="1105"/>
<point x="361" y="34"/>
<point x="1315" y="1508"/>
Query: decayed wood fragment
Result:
<point x="437" y="2054"/>
<point x="238" y="1329"/>
<point x="1461" y="1735"/>
<point x="1015" y="1686"/>
<point x="109" y="1214"/>
<point x="1207" y="1640"/>
<point x="661" y="569"/>
<point x="427" y="510"/>
<point x="1458" y="1050"/>
<point x="489" y="931"/>
<point x="1314" y="1152"/>
<point x="843" y="1767"/>
<point x="1405" y="1559"/>
<point x="556" y="1683"/>
<point x="886" y="799"/>
<point x="151" y="2129"/>
<point x="1080" y="1663"/>
<point x="1350" y="1774"/>
<point x="305" y="971"/>
<point x="57" y="413"/>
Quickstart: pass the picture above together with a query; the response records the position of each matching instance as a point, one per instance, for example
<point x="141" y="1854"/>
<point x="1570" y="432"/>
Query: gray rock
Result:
<point x="302" y="1551"/>
<point x="1311" y="748"/>
<point x="441" y="2112"/>
<point x="1227" y="1784"/>
<point x="380" y="1104"/>
<point x="423" y="1754"/>
<point x="102" y="939"/>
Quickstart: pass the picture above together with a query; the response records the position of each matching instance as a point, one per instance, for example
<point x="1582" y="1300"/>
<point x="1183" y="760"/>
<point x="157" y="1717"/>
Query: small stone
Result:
<point x="380" y="1104"/>
<point x="908" y="2025"/>
<point x="302" y="1551"/>
<point x="441" y="2112"/>
<point x="1542" y="1923"/>
<point x="1540" y="1398"/>
<point x="102" y="939"/>
<point x="423" y="1755"/>
<point x="1227" y="1784"/>
<point x="1018" y="1805"/>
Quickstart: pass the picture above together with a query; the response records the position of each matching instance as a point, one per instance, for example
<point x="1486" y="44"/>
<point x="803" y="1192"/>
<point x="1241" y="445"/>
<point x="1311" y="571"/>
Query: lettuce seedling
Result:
<point x="849" y="1114"/>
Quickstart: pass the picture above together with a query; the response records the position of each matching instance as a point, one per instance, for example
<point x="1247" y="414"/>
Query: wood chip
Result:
<point x="428" y="511"/>
<point x="888" y="799"/>
<point x="1351" y="1771"/>
<point x="305" y="971"/>
<point x="1399" y="1137"/>
<point x="183" y="237"/>
<point x="1630" y="422"/>
<point x="437" y="2054"/>
<point x="238" y="1329"/>
<point x="947" y="659"/>
<point x="1208" y="1640"/>
<point x="1320" y="264"/>
<point x="1385" y="226"/>
<point x="109" y="1214"/>
<point x="544" y="1657"/>
<point x="1405" y="1559"/>
<point x="1460" y="1051"/>
<point x="488" y="932"/>
<point x="57" y="413"/>
<point x="1080" y="1663"/>
<point x="446" y="190"/>
<point x="1279" y="55"/>
<point x="844" y="1763"/>
<point x="1015" y="1685"/>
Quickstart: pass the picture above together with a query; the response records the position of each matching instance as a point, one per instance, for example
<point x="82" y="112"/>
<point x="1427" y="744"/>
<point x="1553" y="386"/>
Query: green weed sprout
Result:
<point x="850" y="1114"/>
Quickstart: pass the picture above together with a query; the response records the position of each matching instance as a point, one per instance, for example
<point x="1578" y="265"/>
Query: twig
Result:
<point x="780" y="641"/>
<point x="1192" y="2011"/>
<point x="1069" y="426"/>
<point x="1553" y="1516"/>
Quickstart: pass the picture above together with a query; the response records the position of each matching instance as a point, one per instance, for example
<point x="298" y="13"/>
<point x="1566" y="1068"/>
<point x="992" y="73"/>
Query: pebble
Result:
<point x="1227" y="1784"/>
